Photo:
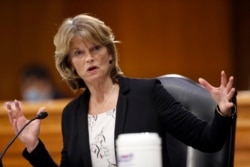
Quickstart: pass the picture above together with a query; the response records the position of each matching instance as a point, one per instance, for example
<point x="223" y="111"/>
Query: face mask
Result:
<point x="34" y="95"/>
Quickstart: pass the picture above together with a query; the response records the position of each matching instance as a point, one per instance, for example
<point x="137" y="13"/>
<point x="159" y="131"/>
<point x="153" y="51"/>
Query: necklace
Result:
<point x="105" y="100"/>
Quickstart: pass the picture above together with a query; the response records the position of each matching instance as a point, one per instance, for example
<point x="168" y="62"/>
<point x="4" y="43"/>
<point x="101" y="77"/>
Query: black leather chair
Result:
<point x="195" y="98"/>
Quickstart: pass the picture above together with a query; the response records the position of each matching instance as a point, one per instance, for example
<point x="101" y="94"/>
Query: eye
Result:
<point x="78" y="52"/>
<point x="96" y="48"/>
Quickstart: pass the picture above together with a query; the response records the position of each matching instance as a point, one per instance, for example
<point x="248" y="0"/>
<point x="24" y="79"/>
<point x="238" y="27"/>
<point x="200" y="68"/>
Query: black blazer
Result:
<point x="143" y="106"/>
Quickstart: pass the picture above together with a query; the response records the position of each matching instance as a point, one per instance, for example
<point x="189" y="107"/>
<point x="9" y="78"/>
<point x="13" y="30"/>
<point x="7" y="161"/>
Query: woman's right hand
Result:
<point x="30" y="135"/>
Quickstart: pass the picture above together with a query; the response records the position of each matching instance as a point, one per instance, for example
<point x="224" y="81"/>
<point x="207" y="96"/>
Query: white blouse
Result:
<point x="101" y="138"/>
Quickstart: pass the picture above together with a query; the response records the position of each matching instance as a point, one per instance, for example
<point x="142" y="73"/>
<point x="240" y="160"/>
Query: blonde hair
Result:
<point x="88" y="28"/>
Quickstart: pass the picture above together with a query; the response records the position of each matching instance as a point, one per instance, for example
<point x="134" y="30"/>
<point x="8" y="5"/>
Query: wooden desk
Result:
<point x="242" y="145"/>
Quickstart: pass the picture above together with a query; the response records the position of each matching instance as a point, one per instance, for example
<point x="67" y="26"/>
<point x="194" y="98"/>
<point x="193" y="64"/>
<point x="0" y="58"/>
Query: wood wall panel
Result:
<point x="242" y="43"/>
<point x="157" y="37"/>
<point x="27" y="31"/>
<point x="190" y="38"/>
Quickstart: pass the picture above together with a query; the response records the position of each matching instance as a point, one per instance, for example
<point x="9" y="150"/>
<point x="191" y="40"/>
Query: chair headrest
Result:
<point x="191" y="94"/>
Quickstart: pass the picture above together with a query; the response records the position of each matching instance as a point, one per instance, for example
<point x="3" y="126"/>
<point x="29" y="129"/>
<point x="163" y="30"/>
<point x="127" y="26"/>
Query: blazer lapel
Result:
<point x="83" y="129"/>
<point x="122" y="104"/>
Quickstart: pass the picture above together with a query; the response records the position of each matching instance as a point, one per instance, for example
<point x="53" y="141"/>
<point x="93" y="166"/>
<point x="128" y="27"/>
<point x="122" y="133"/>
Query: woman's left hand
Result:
<point x="222" y="95"/>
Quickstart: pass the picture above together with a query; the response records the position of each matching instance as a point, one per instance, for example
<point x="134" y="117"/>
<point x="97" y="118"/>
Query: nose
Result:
<point x="89" y="57"/>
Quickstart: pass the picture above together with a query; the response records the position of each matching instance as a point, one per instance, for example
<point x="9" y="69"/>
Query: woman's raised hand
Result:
<point x="223" y="94"/>
<point x="30" y="135"/>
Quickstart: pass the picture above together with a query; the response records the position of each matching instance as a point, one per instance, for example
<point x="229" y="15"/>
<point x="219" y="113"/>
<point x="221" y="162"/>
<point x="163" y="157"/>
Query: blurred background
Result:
<point x="192" y="38"/>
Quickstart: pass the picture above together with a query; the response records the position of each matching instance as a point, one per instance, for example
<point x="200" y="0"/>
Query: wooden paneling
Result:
<point x="51" y="131"/>
<point x="242" y="43"/>
<point x="192" y="38"/>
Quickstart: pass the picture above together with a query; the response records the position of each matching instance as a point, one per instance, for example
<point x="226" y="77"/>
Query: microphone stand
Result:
<point x="41" y="115"/>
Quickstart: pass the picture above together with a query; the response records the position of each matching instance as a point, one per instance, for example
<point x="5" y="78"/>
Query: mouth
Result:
<point x="92" y="68"/>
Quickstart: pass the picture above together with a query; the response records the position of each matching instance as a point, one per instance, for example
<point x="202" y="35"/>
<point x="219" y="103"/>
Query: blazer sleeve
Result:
<point x="202" y="135"/>
<point x="39" y="157"/>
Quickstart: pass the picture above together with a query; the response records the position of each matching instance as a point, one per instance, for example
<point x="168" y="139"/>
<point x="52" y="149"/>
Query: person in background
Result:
<point x="37" y="84"/>
<point x="112" y="103"/>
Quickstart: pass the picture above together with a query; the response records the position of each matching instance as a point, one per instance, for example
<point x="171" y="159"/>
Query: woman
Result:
<point x="112" y="104"/>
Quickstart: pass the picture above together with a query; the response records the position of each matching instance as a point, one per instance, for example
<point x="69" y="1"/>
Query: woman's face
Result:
<point x="91" y="62"/>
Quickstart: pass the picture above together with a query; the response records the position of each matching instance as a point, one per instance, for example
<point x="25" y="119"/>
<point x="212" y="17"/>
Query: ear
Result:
<point x="110" y="59"/>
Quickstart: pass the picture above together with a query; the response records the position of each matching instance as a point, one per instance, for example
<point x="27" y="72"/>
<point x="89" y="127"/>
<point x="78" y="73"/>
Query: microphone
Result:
<point x="41" y="115"/>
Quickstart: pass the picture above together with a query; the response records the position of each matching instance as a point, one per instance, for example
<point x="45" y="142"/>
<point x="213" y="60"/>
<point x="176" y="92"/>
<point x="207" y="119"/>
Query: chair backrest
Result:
<point x="195" y="98"/>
